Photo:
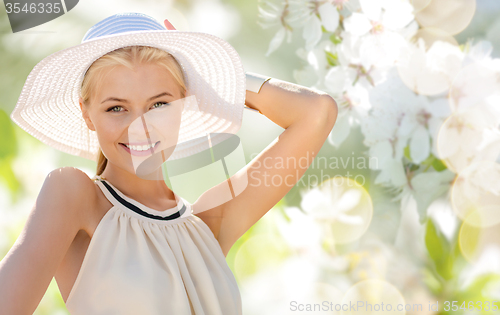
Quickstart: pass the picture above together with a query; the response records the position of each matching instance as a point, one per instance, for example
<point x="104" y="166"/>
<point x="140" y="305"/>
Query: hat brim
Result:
<point x="49" y="110"/>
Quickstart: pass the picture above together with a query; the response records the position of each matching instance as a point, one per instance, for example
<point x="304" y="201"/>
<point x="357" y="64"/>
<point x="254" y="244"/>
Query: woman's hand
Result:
<point x="169" y="25"/>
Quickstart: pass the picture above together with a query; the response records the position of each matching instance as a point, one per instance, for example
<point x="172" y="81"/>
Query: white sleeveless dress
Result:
<point x="149" y="262"/>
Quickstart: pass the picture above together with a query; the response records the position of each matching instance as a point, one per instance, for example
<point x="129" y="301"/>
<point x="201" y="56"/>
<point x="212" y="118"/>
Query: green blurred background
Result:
<point x="25" y="161"/>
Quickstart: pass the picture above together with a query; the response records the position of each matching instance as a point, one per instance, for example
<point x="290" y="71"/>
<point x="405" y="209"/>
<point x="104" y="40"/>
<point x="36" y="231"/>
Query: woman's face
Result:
<point x="135" y="113"/>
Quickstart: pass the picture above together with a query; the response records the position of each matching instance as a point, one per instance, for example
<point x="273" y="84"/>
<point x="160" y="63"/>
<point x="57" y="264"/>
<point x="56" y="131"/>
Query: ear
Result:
<point x="85" y="115"/>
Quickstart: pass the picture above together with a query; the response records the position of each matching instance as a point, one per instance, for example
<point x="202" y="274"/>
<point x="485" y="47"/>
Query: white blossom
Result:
<point x="378" y="28"/>
<point x="430" y="72"/>
<point x="331" y="204"/>
<point x="329" y="16"/>
<point x="312" y="31"/>
<point x="469" y="136"/>
<point x="276" y="41"/>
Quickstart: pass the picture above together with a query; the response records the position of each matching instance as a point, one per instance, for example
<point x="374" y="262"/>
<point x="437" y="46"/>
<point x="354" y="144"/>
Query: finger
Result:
<point x="168" y="25"/>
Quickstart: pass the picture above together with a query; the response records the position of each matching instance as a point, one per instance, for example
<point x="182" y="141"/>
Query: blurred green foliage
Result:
<point x="443" y="270"/>
<point x="444" y="261"/>
<point x="8" y="152"/>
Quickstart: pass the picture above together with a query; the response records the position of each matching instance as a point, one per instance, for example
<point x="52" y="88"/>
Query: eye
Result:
<point x="111" y="109"/>
<point x="161" y="104"/>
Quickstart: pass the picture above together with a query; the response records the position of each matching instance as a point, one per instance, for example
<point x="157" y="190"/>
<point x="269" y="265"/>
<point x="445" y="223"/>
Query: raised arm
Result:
<point x="307" y="117"/>
<point x="27" y="269"/>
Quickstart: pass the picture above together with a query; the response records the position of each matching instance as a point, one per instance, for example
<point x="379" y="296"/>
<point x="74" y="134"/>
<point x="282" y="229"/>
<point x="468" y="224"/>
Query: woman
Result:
<point x="108" y="241"/>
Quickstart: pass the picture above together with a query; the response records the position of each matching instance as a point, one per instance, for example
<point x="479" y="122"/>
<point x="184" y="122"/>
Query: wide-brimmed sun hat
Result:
<point x="48" y="107"/>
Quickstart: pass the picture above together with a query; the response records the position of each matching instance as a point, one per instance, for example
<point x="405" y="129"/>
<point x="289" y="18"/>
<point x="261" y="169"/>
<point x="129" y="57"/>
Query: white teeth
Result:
<point x="140" y="147"/>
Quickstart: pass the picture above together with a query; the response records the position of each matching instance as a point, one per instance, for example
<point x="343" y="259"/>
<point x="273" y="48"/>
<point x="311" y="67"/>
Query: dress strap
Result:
<point x="107" y="193"/>
<point x="117" y="198"/>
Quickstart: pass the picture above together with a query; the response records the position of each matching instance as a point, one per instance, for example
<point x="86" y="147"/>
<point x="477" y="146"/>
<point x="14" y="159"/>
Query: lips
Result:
<point x="138" y="143"/>
<point x="141" y="152"/>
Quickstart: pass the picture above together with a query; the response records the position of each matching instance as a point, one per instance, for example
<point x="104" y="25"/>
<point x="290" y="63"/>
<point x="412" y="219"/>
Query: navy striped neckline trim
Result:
<point x="139" y="210"/>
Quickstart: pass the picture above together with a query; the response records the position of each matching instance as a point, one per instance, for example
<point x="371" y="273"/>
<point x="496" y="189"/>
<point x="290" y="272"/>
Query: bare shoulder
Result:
<point x="75" y="191"/>
<point x="55" y="220"/>
<point x="71" y="178"/>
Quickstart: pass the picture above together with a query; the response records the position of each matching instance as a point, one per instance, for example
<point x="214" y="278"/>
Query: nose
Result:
<point x="140" y="127"/>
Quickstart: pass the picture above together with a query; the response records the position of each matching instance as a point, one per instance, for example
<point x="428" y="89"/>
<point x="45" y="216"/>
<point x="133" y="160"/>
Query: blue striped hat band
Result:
<point x="121" y="23"/>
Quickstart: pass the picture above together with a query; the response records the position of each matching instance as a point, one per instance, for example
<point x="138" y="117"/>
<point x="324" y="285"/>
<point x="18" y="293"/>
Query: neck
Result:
<point x="151" y="188"/>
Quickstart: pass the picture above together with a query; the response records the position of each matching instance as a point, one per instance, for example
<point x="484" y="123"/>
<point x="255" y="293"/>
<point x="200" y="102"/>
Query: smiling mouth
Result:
<point x="140" y="148"/>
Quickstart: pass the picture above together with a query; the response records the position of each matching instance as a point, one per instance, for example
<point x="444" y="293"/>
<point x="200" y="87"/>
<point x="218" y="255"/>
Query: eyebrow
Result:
<point x="126" y="101"/>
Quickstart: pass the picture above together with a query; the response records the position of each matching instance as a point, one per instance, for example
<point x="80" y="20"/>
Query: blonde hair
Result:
<point x="129" y="57"/>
